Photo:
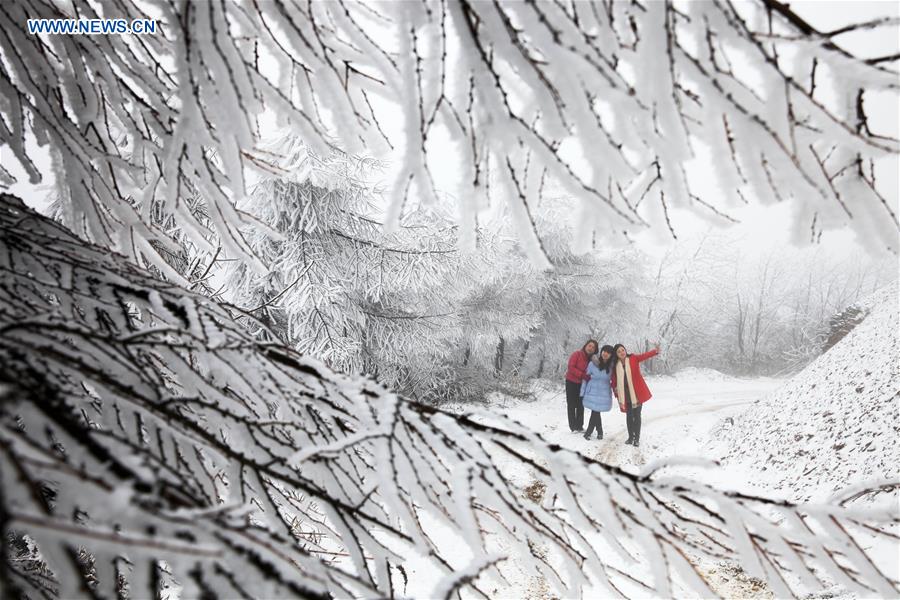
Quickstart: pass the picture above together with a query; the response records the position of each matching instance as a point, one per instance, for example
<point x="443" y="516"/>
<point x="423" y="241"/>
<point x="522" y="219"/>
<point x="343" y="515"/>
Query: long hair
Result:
<point x="609" y="362"/>
<point x="594" y="342"/>
<point x="616" y="350"/>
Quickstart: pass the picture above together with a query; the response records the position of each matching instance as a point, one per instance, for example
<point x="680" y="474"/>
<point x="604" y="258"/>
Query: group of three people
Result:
<point x="594" y="376"/>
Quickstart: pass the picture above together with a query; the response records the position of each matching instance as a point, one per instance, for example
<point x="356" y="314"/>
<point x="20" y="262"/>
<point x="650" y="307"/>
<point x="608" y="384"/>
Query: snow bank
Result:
<point x="835" y="423"/>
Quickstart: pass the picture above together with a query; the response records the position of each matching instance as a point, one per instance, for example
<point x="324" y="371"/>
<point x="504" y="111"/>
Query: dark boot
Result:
<point x="587" y="436"/>
<point x="599" y="435"/>
<point x="630" y="440"/>
<point x="636" y="441"/>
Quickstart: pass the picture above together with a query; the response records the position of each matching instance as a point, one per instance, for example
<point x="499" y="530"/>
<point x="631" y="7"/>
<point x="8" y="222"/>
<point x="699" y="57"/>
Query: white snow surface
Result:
<point x="831" y="426"/>
<point x="677" y="421"/>
<point x="685" y="410"/>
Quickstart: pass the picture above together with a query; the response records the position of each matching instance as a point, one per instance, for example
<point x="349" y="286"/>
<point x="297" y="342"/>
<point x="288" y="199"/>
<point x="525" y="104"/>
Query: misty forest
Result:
<point x="360" y="299"/>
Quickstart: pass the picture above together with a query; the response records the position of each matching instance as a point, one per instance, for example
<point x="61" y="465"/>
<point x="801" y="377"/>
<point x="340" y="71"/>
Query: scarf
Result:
<point x="623" y="373"/>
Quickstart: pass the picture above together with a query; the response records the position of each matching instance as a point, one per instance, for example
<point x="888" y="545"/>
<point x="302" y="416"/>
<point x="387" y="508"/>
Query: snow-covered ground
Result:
<point x="833" y="425"/>
<point x="677" y="422"/>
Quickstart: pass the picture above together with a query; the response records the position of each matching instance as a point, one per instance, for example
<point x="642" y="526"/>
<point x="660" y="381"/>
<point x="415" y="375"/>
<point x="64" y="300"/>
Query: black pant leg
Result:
<point x="594" y="423"/>
<point x="637" y="421"/>
<point x="579" y="414"/>
<point x="573" y="402"/>
<point x="629" y="420"/>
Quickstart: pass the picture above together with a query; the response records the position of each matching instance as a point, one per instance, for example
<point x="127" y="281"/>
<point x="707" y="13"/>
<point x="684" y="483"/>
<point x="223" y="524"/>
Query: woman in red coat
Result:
<point x="575" y="374"/>
<point x="630" y="388"/>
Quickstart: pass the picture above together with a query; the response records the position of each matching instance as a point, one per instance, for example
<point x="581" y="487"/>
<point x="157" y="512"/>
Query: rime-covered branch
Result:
<point x="637" y="89"/>
<point x="139" y="423"/>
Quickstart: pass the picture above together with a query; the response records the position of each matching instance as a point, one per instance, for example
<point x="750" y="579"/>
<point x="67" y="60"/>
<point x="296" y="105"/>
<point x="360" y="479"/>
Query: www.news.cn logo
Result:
<point x="91" y="26"/>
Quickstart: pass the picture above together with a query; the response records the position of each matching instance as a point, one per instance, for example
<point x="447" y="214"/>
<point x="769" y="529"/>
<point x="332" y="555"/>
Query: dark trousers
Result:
<point x="573" y="404"/>
<point x="633" y="421"/>
<point x="595" y="422"/>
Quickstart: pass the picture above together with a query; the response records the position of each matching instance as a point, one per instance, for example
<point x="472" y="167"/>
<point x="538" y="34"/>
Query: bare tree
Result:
<point x="754" y="311"/>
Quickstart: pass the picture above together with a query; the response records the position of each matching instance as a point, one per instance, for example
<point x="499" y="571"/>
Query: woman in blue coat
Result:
<point x="596" y="393"/>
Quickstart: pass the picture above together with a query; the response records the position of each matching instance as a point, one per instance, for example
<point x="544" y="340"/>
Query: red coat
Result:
<point x="578" y="363"/>
<point x="637" y="380"/>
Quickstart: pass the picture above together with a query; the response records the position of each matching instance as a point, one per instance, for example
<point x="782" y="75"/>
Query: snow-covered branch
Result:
<point x="144" y="435"/>
<point x="599" y="98"/>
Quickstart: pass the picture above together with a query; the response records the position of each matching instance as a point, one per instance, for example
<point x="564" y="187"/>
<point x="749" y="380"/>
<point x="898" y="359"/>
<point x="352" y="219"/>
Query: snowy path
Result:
<point x="684" y="412"/>
<point x="615" y="453"/>
<point x="677" y="421"/>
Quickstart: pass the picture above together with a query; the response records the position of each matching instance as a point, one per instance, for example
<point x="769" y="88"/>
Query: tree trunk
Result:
<point x="521" y="361"/>
<point x="565" y="346"/>
<point x="498" y="357"/>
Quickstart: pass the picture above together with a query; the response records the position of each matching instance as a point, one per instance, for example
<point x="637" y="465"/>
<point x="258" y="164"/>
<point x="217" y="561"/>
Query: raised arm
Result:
<point x="646" y="355"/>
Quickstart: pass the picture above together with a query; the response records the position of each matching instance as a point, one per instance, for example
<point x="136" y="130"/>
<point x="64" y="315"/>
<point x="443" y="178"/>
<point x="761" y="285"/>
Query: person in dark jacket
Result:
<point x="630" y="388"/>
<point x="575" y="374"/>
<point x="596" y="394"/>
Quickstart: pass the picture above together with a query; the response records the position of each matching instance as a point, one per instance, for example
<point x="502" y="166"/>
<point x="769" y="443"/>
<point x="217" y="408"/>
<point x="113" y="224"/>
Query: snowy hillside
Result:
<point x="833" y="425"/>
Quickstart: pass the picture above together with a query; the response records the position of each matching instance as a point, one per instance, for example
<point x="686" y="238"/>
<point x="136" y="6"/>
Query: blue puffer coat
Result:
<point x="596" y="394"/>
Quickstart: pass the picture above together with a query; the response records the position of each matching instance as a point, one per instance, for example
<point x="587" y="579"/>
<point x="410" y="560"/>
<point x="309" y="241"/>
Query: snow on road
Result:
<point x="684" y="412"/>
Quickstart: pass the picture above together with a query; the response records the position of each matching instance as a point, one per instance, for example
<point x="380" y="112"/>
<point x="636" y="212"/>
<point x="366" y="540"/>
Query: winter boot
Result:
<point x="586" y="436"/>
<point x="636" y="441"/>
<point x="630" y="440"/>
<point x="599" y="435"/>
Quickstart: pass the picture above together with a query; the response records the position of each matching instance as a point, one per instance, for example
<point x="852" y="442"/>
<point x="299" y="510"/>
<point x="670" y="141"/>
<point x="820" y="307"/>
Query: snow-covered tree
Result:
<point x="407" y="306"/>
<point x="148" y="443"/>
<point x="336" y="278"/>
<point x="607" y="99"/>
<point x="596" y="293"/>
<point x="765" y="311"/>
<point x="390" y="304"/>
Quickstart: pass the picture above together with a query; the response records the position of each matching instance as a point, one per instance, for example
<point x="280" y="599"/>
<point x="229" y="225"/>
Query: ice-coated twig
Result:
<point x="139" y="422"/>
